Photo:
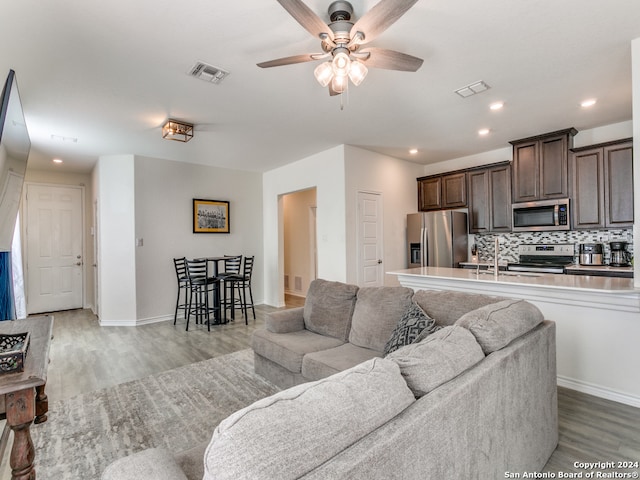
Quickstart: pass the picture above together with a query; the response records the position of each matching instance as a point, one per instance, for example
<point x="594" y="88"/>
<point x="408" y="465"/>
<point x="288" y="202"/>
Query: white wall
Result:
<point x="115" y="195"/>
<point x="395" y="180"/>
<point x="326" y="172"/>
<point x="635" y="85"/>
<point x="164" y="193"/>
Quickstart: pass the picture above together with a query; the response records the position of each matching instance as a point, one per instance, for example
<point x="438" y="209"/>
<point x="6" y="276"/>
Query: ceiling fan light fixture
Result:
<point x="324" y="73"/>
<point x="339" y="83"/>
<point x="176" y="130"/>
<point x="341" y="64"/>
<point x="357" y="72"/>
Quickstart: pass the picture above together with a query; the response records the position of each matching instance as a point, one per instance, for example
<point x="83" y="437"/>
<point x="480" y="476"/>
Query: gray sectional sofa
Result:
<point x="473" y="399"/>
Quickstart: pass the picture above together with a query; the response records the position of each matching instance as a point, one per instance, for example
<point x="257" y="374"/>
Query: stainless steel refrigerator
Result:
<point x="437" y="239"/>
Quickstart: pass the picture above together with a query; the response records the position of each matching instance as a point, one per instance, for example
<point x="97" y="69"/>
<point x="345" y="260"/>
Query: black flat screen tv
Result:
<point x="14" y="152"/>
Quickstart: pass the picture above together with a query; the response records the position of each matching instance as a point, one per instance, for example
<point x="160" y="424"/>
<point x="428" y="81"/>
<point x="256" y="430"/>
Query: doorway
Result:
<point x="369" y="243"/>
<point x="299" y="241"/>
<point x="54" y="247"/>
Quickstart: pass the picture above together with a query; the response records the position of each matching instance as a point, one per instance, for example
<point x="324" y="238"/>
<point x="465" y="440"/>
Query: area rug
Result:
<point x="177" y="409"/>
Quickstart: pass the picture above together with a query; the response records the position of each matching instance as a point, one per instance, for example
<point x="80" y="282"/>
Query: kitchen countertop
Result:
<point x="600" y="269"/>
<point x="582" y="283"/>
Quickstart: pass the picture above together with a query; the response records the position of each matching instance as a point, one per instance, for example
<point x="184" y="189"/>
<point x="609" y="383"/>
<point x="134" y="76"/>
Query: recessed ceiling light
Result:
<point x="57" y="160"/>
<point x="483" y="131"/>
<point x="496" y="105"/>
<point x="413" y="151"/>
<point x="588" y="103"/>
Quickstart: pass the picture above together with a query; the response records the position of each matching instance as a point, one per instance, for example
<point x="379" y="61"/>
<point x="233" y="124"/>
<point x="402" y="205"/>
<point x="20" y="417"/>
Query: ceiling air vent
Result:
<point x="476" y="87"/>
<point x="208" y="73"/>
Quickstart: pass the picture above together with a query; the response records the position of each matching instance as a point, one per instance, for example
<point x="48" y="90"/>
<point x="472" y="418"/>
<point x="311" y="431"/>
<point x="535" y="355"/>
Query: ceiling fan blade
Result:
<point x="307" y="57"/>
<point x="379" y="18"/>
<point x="307" y="18"/>
<point x="391" y="60"/>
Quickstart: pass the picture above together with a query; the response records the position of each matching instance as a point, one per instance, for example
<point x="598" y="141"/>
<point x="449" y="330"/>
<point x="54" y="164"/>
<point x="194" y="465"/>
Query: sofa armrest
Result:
<point x="156" y="463"/>
<point x="285" y="321"/>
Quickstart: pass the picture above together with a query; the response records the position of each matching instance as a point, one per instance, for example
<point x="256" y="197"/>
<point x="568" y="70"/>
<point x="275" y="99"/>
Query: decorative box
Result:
<point x="13" y="352"/>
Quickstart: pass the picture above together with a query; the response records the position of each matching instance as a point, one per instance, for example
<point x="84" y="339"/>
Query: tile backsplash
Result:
<point x="509" y="242"/>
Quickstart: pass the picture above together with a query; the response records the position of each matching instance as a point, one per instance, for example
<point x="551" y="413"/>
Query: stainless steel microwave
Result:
<point x="541" y="216"/>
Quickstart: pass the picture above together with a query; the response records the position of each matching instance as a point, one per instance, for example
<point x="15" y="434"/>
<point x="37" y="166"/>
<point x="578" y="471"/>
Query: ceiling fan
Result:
<point x="344" y="43"/>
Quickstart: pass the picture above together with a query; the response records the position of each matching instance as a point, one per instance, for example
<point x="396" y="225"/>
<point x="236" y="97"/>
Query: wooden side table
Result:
<point x="19" y="390"/>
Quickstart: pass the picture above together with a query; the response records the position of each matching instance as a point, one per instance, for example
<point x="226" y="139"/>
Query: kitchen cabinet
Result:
<point x="439" y="192"/>
<point x="540" y="166"/>
<point x="489" y="192"/>
<point x="602" y="185"/>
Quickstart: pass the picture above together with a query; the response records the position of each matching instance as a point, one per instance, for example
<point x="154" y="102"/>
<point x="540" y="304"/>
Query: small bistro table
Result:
<point x="214" y="261"/>
<point x="25" y="400"/>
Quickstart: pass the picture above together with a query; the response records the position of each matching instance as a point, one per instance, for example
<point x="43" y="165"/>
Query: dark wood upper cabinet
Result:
<point x="478" y="181"/>
<point x="429" y="193"/>
<point x="602" y="184"/>
<point x="500" y="198"/>
<point x="618" y="181"/>
<point x="587" y="185"/>
<point x="438" y="192"/>
<point x="490" y="199"/>
<point x="540" y="166"/>
<point x="454" y="190"/>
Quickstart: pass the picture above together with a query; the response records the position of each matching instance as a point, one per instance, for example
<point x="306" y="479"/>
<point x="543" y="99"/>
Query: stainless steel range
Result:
<point x="543" y="258"/>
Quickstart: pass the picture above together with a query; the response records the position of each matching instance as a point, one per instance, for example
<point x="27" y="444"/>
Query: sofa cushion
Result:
<point x="156" y="463"/>
<point x="378" y="310"/>
<point x="328" y="308"/>
<point x="294" y="431"/>
<point x="288" y="349"/>
<point x="496" y="325"/>
<point x="324" y="363"/>
<point x="442" y="356"/>
<point x="445" y="307"/>
<point x="413" y="323"/>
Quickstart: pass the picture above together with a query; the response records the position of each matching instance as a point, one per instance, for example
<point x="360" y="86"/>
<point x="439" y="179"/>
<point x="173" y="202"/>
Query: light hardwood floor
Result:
<point x="86" y="357"/>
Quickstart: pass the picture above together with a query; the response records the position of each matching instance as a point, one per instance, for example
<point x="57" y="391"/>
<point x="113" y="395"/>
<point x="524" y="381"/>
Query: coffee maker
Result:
<point x="619" y="255"/>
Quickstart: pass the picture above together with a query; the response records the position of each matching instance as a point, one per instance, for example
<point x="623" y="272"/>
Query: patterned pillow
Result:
<point x="411" y="326"/>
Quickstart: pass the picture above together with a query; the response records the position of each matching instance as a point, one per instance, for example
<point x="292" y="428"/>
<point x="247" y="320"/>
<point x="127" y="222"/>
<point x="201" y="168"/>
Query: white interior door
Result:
<point x="370" y="266"/>
<point x="54" y="248"/>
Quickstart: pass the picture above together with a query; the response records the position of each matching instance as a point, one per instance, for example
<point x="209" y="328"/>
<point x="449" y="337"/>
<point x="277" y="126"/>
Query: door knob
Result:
<point x="78" y="263"/>
<point x="379" y="262"/>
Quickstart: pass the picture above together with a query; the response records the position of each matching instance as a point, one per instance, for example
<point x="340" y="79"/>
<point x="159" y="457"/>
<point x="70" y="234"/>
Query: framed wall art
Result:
<point x="210" y="216"/>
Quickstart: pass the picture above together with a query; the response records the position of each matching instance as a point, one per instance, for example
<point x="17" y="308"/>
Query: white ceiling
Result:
<point x="110" y="74"/>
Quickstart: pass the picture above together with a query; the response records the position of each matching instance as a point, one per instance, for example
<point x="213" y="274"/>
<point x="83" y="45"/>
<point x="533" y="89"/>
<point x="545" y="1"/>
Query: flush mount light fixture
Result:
<point x="176" y="130"/>
<point x="57" y="160"/>
<point x="496" y="105"/>
<point x="413" y="151"/>
<point x="483" y="132"/>
<point x="588" y="103"/>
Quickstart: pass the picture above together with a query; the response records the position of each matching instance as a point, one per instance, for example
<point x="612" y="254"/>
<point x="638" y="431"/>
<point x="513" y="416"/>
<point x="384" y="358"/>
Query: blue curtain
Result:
<point x="7" y="305"/>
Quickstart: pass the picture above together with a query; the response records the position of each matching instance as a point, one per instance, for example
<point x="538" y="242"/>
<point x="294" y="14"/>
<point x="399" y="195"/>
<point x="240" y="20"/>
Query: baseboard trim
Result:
<point x="117" y="323"/>
<point x="599" y="391"/>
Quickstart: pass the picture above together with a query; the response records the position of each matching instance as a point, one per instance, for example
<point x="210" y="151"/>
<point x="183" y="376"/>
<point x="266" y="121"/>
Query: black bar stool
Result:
<point x="201" y="286"/>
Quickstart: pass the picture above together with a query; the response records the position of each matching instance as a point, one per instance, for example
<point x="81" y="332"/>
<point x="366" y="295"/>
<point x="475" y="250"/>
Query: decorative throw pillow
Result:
<point x="413" y="323"/>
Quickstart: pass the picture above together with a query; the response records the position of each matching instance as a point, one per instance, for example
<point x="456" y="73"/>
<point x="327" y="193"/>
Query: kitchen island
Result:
<point x="598" y="321"/>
